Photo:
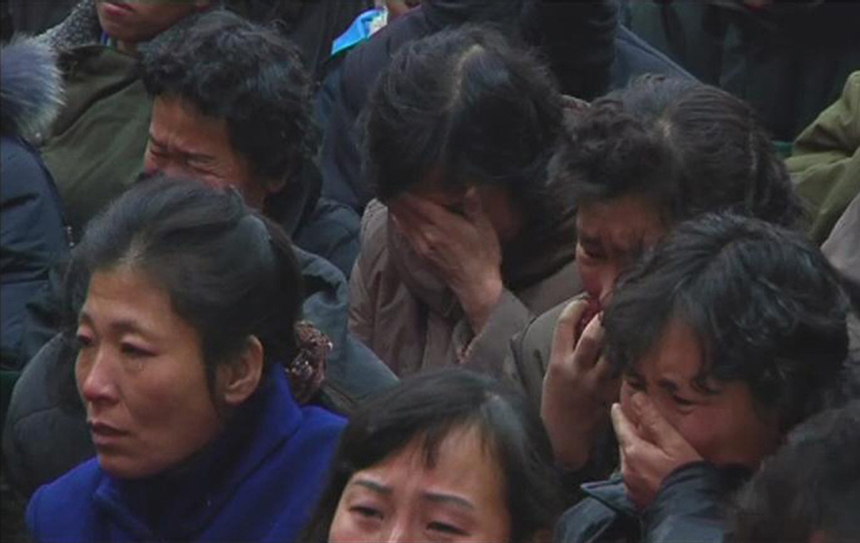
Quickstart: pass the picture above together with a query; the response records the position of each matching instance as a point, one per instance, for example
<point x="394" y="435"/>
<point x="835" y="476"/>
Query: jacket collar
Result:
<point x="611" y="494"/>
<point x="179" y="504"/>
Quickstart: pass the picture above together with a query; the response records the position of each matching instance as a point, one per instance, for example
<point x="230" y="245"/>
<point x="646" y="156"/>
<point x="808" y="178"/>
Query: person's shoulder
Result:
<point x="59" y="509"/>
<point x="374" y="232"/>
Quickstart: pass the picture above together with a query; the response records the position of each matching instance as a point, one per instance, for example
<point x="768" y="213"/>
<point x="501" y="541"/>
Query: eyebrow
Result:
<point x="448" y="498"/>
<point x="374" y="486"/>
<point x="120" y="326"/>
<point x="200" y="157"/>
<point x="436" y="497"/>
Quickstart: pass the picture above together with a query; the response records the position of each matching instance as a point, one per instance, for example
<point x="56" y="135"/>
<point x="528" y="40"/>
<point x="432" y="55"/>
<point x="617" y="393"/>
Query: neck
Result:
<point x="127" y="47"/>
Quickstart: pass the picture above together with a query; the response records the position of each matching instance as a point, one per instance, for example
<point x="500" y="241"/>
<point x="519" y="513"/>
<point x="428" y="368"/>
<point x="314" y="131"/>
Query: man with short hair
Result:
<point x="232" y="107"/>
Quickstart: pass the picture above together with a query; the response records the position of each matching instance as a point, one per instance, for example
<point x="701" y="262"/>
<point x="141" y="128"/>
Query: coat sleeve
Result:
<point x="690" y="506"/>
<point x="825" y="163"/>
<point x="529" y="352"/>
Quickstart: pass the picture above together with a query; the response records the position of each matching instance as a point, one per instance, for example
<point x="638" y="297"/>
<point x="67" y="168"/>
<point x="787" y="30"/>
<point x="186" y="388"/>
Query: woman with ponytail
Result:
<point x="190" y="359"/>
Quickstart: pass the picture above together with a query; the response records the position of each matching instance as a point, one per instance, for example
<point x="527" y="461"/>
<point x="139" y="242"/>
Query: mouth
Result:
<point x="103" y="432"/>
<point x="117" y="7"/>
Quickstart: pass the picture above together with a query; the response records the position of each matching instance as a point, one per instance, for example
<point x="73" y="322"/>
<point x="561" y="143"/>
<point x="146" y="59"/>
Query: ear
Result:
<point x="239" y="379"/>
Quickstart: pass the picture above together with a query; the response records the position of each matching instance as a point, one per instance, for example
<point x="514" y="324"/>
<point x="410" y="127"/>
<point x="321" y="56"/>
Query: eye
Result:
<point x="635" y="382"/>
<point x="593" y="251"/>
<point x="83" y="341"/>
<point x="134" y="351"/>
<point x="366" y="512"/>
<point x="445" y="528"/>
<point x="683" y="402"/>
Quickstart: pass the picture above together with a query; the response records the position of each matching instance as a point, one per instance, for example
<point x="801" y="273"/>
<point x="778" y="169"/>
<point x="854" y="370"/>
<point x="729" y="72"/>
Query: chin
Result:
<point x="122" y="467"/>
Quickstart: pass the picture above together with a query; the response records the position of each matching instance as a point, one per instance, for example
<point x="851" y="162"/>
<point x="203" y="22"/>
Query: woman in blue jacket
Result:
<point x="187" y="304"/>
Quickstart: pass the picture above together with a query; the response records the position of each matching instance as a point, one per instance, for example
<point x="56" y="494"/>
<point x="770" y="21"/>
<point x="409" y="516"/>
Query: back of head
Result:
<point x="246" y="74"/>
<point x="431" y="406"/>
<point x="765" y="306"/>
<point x="228" y="272"/>
<point x="725" y="158"/>
<point x="467" y="107"/>
<point x="810" y="489"/>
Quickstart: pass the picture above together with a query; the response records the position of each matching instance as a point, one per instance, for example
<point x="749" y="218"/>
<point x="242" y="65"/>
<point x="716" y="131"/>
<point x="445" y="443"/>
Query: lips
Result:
<point x="104" y="434"/>
<point x="116" y="8"/>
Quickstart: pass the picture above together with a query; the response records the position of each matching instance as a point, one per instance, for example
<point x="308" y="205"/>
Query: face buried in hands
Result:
<point x="141" y="376"/>
<point x="461" y="497"/>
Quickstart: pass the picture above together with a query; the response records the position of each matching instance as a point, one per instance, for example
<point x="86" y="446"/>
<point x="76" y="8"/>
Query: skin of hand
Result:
<point x="462" y="250"/>
<point x="578" y="387"/>
<point x="650" y="449"/>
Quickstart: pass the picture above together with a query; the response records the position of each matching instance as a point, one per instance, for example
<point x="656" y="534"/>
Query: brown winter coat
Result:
<point x="413" y="322"/>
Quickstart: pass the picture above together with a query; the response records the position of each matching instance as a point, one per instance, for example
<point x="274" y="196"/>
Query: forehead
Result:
<point x="624" y="222"/>
<point x="128" y="299"/>
<point x="179" y="124"/>
<point x="677" y="355"/>
<point x="463" y="464"/>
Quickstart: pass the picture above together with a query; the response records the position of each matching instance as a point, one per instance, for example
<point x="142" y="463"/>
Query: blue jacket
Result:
<point x="258" y="482"/>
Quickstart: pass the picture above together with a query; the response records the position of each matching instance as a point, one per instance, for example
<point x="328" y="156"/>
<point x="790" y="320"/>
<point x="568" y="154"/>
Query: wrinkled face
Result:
<point x="140" y="374"/>
<point x="141" y="20"/>
<point x="611" y="235"/>
<point x="186" y="144"/>
<point x="462" y="498"/>
<point x="723" y="426"/>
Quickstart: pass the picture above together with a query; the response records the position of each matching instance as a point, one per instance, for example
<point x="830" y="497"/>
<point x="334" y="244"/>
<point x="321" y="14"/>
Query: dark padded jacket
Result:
<point x="33" y="235"/>
<point x="690" y="506"/>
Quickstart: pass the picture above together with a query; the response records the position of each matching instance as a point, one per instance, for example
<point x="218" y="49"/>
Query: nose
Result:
<point x="96" y="382"/>
<point x="606" y="284"/>
<point x="402" y="532"/>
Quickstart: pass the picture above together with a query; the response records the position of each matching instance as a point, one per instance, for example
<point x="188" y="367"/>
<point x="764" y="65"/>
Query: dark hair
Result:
<point x="766" y="307"/>
<point x="607" y="153"/>
<point x="429" y="407"/>
<point x="246" y="74"/>
<point x="469" y="106"/>
<point x="812" y="484"/>
<point x="228" y="271"/>
<point x="722" y="159"/>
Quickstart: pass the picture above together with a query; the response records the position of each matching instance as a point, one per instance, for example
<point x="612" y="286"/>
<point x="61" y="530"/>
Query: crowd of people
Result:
<point x="448" y="270"/>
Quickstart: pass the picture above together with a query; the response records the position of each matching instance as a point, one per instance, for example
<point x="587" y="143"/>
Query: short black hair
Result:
<point x="429" y="407"/>
<point x="765" y="305"/>
<point x="468" y="105"/>
<point x="724" y="152"/>
<point x="607" y="153"/>
<point x="244" y="73"/>
<point x="228" y="271"/>
<point x="690" y="148"/>
<point x="812" y="484"/>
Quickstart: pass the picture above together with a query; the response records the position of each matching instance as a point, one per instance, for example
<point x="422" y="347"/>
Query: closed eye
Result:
<point x="445" y="528"/>
<point x="135" y="351"/>
<point x="367" y="512"/>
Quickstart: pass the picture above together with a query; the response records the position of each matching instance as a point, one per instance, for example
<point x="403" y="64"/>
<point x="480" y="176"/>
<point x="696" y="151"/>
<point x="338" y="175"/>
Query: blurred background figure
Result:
<point x="809" y="490"/>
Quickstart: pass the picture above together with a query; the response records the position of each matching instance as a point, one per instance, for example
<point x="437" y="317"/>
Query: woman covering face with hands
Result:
<point x="727" y="336"/>
<point x="638" y="161"/>
<point x="472" y="239"/>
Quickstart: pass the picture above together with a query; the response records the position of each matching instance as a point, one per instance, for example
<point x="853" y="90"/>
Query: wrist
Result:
<point x="479" y="299"/>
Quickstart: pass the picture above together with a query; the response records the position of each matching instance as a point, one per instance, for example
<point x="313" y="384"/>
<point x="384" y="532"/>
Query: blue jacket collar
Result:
<point x="182" y="502"/>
